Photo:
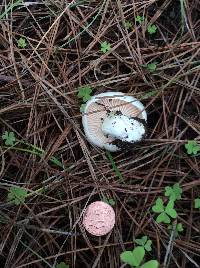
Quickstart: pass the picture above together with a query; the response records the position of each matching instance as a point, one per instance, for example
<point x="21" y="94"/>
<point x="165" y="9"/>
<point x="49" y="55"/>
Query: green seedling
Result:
<point x="151" y="29"/>
<point x="84" y="92"/>
<point x="152" y="67"/>
<point x="17" y="195"/>
<point x="105" y="46"/>
<point x="109" y="201"/>
<point x="178" y="229"/>
<point x="197" y="203"/>
<point x="164" y="212"/>
<point x="135" y="258"/>
<point x="21" y="42"/>
<point x="139" y="19"/>
<point x="62" y="265"/>
<point x="174" y="192"/>
<point x="145" y="243"/>
<point x="192" y="147"/>
<point x="9" y="138"/>
<point x="128" y="24"/>
<point x="114" y="166"/>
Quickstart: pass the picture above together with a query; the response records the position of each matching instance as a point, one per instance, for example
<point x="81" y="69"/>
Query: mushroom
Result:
<point x="113" y="120"/>
<point x="99" y="218"/>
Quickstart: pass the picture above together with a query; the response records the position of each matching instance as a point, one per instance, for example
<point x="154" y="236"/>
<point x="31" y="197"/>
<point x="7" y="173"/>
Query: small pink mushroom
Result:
<point x="99" y="218"/>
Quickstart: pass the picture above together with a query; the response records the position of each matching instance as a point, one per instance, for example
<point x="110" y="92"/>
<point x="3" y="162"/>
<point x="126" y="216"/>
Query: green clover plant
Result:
<point x="62" y="265"/>
<point x="84" y="92"/>
<point x="151" y="67"/>
<point x="139" y="19"/>
<point x="174" y="192"/>
<point x="192" y="147"/>
<point x="135" y="258"/>
<point x="9" y="138"/>
<point x="21" y="42"/>
<point x="145" y="243"/>
<point x="105" y="46"/>
<point x="151" y="29"/>
<point x="164" y="212"/>
<point x="197" y="203"/>
<point x="128" y="24"/>
<point x="17" y="195"/>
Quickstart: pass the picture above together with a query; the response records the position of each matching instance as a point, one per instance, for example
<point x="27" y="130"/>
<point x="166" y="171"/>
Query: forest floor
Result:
<point x="49" y="173"/>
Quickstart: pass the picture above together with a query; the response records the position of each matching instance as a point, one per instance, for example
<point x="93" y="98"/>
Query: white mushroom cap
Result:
<point x="123" y="128"/>
<point x="113" y="115"/>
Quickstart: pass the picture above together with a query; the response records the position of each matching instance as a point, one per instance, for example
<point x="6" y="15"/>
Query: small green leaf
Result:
<point x="152" y="29"/>
<point x="57" y="162"/>
<point x="158" y="207"/>
<point x="173" y="192"/>
<point x="147" y="246"/>
<point x="150" y="264"/>
<point x="142" y="241"/>
<point x="128" y="24"/>
<point x="192" y="147"/>
<point x="163" y="218"/>
<point x="128" y="258"/>
<point x="105" y="46"/>
<point x="9" y="138"/>
<point x="139" y="19"/>
<point x="152" y="67"/>
<point x="197" y="203"/>
<point x="179" y="227"/>
<point x="17" y="195"/>
<point x="170" y="209"/>
<point x="62" y="265"/>
<point x="84" y="93"/>
<point x="138" y="254"/>
<point x="21" y="42"/>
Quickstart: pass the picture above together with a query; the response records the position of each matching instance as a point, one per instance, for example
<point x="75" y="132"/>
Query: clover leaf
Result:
<point x="165" y="212"/>
<point x="17" y="195"/>
<point x="197" y="203"/>
<point x="152" y="29"/>
<point x="21" y="42"/>
<point x="9" y="138"/>
<point x="139" y="19"/>
<point x="152" y="66"/>
<point x="150" y="264"/>
<point x="84" y="93"/>
<point x="173" y="192"/>
<point x="192" y="147"/>
<point x="62" y="265"/>
<point x="128" y="24"/>
<point x="105" y="46"/>
<point x="144" y="242"/>
<point x="133" y="258"/>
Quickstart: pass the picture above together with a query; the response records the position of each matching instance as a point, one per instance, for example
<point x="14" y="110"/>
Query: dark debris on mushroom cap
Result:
<point x="124" y="145"/>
